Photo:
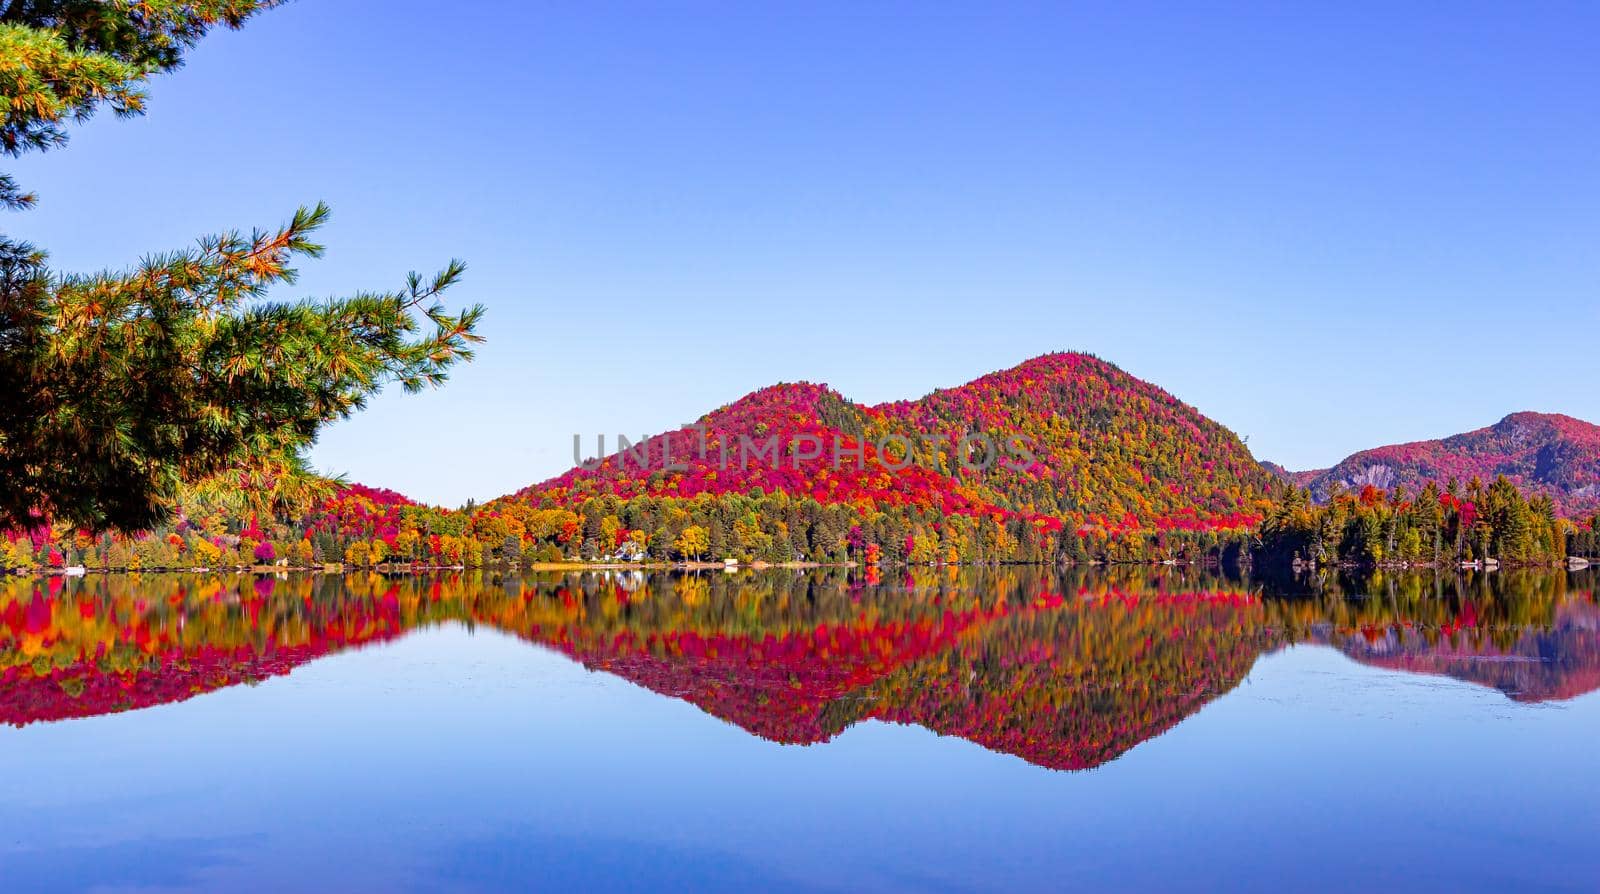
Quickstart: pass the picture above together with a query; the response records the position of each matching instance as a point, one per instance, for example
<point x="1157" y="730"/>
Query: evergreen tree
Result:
<point x="122" y="388"/>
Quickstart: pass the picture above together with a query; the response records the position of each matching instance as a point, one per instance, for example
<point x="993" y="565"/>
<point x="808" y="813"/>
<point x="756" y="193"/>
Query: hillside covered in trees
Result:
<point x="1542" y="454"/>
<point x="1063" y="459"/>
<point x="1065" y="456"/>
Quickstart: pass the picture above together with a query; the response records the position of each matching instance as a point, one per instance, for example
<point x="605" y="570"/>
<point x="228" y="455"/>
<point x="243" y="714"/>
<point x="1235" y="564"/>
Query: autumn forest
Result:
<point x="1117" y="471"/>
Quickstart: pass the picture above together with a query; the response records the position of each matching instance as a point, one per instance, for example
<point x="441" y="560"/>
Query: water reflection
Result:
<point x="1066" y="671"/>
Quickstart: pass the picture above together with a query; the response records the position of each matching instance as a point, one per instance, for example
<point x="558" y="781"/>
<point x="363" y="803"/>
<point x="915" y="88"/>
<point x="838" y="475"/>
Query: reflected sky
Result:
<point x="490" y="758"/>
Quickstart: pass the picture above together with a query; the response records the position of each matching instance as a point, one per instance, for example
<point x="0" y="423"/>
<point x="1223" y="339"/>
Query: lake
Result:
<point x="782" y="730"/>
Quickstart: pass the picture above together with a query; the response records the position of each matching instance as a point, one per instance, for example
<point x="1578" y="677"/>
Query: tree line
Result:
<point x="1449" y="525"/>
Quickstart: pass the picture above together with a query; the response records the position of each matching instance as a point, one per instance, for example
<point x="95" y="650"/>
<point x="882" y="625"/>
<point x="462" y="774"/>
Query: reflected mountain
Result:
<point x="1543" y="664"/>
<point x="1065" y="671"/>
<point x="1534" y="636"/>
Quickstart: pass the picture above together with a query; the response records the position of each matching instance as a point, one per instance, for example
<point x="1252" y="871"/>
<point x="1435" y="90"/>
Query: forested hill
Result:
<point x="1109" y="446"/>
<point x="1541" y="453"/>
<point x="1066" y="439"/>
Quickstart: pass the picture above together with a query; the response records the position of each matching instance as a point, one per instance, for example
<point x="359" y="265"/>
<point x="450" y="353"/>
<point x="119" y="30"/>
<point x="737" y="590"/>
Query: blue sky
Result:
<point x="1328" y="227"/>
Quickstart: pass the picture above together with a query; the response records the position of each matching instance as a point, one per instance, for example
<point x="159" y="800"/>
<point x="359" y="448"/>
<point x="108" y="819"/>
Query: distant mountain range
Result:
<point x="1541" y="453"/>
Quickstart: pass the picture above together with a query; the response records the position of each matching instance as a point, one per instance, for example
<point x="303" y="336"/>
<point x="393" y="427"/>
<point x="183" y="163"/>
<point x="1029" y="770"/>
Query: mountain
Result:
<point x="1065" y="441"/>
<point x="1541" y="453"/>
<point x="1108" y="445"/>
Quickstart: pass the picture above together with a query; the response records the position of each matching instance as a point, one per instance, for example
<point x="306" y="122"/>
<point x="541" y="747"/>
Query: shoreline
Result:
<point x="1571" y="563"/>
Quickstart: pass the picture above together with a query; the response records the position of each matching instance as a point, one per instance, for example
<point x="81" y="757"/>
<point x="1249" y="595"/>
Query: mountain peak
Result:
<point x="1558" y="424"/>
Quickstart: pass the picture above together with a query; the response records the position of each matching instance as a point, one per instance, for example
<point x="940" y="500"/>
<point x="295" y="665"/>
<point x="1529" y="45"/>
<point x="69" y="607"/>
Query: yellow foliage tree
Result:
<point x="693" y="542"/>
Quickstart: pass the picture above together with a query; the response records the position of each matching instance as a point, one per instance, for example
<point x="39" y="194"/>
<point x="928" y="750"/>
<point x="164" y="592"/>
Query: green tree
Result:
<point x="125" y="387"/>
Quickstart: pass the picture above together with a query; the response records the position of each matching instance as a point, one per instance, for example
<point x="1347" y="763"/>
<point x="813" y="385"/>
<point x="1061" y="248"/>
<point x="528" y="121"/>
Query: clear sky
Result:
<point x="1328" y="227"/>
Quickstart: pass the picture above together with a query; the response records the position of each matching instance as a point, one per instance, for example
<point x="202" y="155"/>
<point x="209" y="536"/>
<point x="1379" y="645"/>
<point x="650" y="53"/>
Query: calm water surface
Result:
<point x="799" y="731"/>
